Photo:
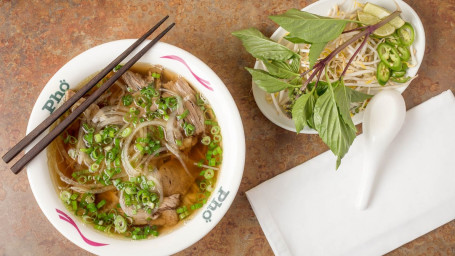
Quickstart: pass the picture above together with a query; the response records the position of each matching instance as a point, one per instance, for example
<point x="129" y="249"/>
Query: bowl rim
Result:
<point x="317" y="7"/>
<point x="209" y="84"/>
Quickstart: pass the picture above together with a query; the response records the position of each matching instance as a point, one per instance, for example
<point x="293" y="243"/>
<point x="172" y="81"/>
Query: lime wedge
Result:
<point x="385" y="30"/>
<point x="370" y="19"/>
<point x="367" y="19"/>
<point x="382" y="13"/>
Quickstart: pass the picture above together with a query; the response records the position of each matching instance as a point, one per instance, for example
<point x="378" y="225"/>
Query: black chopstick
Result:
<point x="19" y="165"/>
<point x="70" y="102"/>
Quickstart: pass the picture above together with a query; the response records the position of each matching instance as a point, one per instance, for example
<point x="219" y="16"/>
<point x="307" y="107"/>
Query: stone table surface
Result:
<point x="38" y="37"/>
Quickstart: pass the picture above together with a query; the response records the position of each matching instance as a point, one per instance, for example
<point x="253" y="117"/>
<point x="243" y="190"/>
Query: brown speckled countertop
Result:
<point x="38" y="37"/>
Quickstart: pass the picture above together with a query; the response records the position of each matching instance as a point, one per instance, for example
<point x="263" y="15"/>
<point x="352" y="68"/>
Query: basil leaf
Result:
<point x="280" y="69"/>
<point x="267" y="82"/>
<point x="302" y="111"/>
<point x="320" y="89"/>
<point x="295" y="64"/>
<point x="262" y="47"/>
<point x="296" y="40"/>
<point x="331" y="126"/>
<point x="357" y="96"/>
<point x="343" y="101"/>
<point x="315" y="52"/>
<point x="310" y="27"/>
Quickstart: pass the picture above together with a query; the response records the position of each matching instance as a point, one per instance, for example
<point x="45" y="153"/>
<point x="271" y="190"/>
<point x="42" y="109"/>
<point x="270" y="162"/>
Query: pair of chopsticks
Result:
<point x="13" y="152"/>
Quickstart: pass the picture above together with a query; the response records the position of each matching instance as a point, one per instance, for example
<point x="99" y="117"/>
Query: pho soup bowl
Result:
<point x="201" y="221"/>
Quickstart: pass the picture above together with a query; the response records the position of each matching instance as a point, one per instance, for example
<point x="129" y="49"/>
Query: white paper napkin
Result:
<point x="310" y="209"/>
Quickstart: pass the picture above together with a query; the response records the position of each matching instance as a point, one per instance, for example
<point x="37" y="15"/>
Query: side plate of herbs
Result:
<point x="325" y="110"/>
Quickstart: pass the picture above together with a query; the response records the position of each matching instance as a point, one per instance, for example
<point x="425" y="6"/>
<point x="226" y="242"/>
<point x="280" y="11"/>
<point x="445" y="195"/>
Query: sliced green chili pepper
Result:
<point x="398" y="73"/>
<point x="406" y="34"/>
<point x="393" y="39"/>
<point x="383" y="73"/>
<point x="390" y="56"/>
<point x="404" y="52"/>
<point x="401" y="80"/>
<point x="404" y="67"/>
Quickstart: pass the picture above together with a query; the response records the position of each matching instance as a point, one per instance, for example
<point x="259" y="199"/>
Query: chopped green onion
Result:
<point x="89" y="138"/>
<point x="183" y="115"/>
<point x="209" y="173"/>
<point x="178" y="142"/>
<point x="183" y="215"/>
<point x="212" y="162"/>
<point x="116" y="68"/>
<point x="215" y="130"/>
<point x="196" y="206"/>
<point x="130" y="190"/>
<point x="126" y="132"/>
<point x="202" y="185"/>
<point x="99" y="227"/>
<point x="189" y="129"/>
<point x="74" y="196"/>
<point x="91" y="207"/>
<point x="217" y="151"/>
<point x="217" y="138"/>
<point x="120" y="224"/>
<point x="117" y="162"/>
<point x="139" y="147"/>
<point x="101" y="204"/>
<point x="89" y="198"/>
<point x="82" y="179"/>
<point x="65" y="196"/>
<point x="94" y="167"/>
<point x="205" y="140"/>
<point x="74" y="204"/>
<point x="98" y="138"/>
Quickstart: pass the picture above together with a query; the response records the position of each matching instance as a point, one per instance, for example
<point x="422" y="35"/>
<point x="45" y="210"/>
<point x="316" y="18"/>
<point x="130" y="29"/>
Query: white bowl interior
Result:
<point x="200" y="223"/>
<point x="322" y="7"/>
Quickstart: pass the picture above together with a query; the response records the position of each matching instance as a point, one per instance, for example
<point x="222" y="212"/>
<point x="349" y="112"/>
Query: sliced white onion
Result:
<point x="115" y="120"/>
<point x="148" y="158"/>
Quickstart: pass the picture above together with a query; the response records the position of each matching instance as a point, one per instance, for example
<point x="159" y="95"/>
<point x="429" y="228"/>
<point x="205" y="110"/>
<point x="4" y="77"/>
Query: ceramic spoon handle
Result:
<point x="370" y="165"/>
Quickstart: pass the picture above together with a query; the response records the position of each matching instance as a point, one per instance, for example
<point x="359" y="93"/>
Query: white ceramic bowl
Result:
<point x="208" y="83"/>
<point x="322" y="7"/>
